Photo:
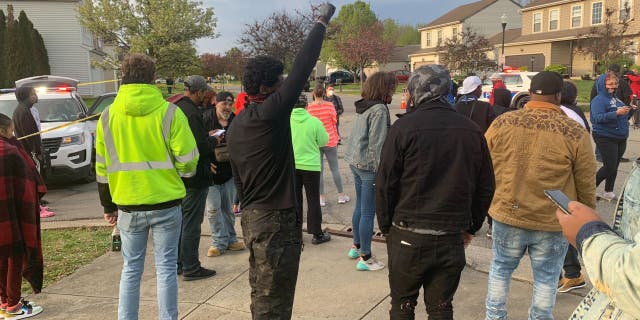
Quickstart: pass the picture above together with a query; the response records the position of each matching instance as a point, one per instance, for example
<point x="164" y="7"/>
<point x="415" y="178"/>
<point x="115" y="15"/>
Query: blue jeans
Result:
<point x="134" y="231"/>
<point x="192" y="216"/>
<point x="546" y="251"/>
<point x="220" y="214"/>
<point x="364" y="213"/>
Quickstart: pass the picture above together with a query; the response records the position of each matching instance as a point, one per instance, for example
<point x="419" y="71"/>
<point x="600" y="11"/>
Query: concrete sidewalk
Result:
<point x="329" y="287"/>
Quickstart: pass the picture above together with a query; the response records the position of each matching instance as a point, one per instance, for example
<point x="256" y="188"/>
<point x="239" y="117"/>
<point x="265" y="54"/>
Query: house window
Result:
<point x="537" y="22"/>
<point x="439" y="37"/>
<point x="554" y="16"/>
<point x="625" y="9"/>
<point x="454" y="32"/>
<point x="576" y="16"/>
<point x="428" y="40"/>
<point x="596" y="13"/>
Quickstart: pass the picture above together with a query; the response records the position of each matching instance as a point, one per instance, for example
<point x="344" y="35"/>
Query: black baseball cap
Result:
<point x="546" y="83"/>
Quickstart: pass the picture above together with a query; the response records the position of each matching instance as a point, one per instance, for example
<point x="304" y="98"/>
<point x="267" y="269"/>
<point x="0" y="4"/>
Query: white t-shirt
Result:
<point x="573" y="115"/>
<point x="36" y="117"/>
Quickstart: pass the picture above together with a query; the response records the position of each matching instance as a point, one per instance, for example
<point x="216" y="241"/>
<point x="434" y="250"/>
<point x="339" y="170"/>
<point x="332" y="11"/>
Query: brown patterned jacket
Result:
<point x="535" y="149"/>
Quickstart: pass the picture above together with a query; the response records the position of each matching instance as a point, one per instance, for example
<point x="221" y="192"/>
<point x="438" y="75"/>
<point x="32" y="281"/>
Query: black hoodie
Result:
<point x="24" y="122"/>
<point x="363" y="105"/>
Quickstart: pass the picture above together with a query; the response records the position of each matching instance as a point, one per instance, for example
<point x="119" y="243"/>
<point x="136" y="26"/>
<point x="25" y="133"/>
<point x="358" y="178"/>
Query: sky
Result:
<point x="232" y="15"/>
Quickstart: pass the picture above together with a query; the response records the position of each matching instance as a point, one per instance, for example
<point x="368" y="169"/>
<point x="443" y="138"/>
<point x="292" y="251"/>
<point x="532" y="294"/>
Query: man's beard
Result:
<point x="224" y="116"/>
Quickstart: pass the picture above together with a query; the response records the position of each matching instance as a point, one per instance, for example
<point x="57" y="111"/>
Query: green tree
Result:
<point x="407" y="35"/>
<point x="352" y="19"/>
<point x="26" y="60"/>
<point x="164" y="29"/>
<point x="40" y="55"/>
<point x="12" y="49"/>
<point x="401" y="35"/>
<point x="3" y="31"/>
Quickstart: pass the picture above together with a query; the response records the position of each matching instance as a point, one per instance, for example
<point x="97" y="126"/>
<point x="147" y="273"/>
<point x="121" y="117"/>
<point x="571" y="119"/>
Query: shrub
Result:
<point x="556" y="68"/>
<point x="523" y="68"/>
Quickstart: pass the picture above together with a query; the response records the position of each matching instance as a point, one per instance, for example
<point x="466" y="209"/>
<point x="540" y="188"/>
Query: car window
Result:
<point x="58" y="110"/>
<point x="103" y="104"/>
<point x="512" y="79"/>
<point x="7" y="107"/>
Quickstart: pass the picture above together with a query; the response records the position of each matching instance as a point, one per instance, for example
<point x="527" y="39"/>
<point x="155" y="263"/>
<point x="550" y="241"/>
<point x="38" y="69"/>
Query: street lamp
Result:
<point x="504" y="26"/>
<point x="533" y="59"/>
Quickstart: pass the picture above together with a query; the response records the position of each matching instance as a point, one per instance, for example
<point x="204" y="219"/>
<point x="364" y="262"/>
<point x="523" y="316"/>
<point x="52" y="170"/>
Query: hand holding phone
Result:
<point x="217" y="133"/>
<point x="559" y="199"/>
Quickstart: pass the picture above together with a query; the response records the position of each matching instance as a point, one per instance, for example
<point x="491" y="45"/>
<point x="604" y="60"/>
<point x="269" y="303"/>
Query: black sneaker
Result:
<point x="321" y="238"/>
<point x="201" y="273"/>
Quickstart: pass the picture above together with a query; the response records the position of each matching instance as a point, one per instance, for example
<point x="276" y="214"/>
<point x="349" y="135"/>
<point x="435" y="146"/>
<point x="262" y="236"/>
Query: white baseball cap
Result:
<point x="470" y="84"/>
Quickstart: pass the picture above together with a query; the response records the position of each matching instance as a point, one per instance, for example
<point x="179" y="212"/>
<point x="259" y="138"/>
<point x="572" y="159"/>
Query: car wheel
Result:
<point x="521" y="101"/>
<point x="91" y="174"/>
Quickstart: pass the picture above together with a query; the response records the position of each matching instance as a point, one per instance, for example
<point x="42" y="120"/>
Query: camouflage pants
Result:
<point x="274" y="239"/>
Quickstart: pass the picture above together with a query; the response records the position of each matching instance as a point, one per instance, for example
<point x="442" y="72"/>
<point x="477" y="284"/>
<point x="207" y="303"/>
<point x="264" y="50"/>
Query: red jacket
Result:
<point x="20" y="189"/>
<point x="635" y="83"/>
<point x="497" y="84"/>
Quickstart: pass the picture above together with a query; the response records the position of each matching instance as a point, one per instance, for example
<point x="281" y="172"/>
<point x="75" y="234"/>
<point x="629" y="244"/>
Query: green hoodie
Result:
<point x="308" y="135"/>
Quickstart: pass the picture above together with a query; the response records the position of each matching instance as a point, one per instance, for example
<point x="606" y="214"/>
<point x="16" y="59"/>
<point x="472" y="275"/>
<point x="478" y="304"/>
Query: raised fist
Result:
<point x="326" y="11"/>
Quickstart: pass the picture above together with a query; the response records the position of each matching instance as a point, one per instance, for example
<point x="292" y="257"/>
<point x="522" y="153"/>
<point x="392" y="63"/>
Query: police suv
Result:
<point x="70" y="149"/>
<point x="517" y="82"/>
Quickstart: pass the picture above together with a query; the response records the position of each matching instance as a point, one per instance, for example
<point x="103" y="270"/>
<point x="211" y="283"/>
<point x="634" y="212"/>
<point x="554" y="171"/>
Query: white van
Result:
<point x="71" y="149"/>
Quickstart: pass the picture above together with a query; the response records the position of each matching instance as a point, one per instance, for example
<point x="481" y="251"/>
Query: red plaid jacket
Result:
<point x="21" y="187"/>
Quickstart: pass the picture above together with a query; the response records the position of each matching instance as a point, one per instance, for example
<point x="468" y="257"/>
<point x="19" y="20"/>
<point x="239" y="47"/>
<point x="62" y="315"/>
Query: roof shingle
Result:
<point x="461" y="13"/>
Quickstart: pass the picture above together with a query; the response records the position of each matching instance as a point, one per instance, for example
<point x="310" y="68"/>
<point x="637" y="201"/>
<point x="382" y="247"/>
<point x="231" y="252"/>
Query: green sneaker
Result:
<point x="353" y="253"/>
<point x="370" y="265"/>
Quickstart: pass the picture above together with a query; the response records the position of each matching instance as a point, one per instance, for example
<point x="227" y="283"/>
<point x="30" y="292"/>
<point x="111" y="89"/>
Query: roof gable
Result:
<point x="463" y="12"/>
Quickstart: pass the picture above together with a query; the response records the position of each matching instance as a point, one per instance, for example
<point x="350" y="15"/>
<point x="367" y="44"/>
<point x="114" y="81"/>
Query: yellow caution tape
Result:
<point x="60" y="126"/>
<point x="96" y="82"/>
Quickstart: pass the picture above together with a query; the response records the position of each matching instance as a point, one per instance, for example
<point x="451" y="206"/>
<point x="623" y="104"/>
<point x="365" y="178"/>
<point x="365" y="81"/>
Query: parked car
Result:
<point x="71" y="149"/>
<point x="516" y="82"/>
<point x="343" y="76"/>
<point x="402" y="76"/>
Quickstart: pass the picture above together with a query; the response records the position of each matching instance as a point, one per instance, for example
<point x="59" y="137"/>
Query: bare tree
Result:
<point x="280" y="35"/>
<point x="610" y="41"/>
<point x="466" y="52"/>
<point x="363" y="48"/>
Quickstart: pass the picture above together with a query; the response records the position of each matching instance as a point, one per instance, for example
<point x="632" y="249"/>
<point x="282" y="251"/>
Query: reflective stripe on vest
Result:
<point x="117" y="166"/>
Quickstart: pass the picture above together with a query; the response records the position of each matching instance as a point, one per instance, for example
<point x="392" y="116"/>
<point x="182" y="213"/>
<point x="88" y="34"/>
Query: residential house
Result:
<point x="71" y="47"/>
<point x="550" y="29"/>
<point x="484" y="17"/>
<point x="399" y="60"/>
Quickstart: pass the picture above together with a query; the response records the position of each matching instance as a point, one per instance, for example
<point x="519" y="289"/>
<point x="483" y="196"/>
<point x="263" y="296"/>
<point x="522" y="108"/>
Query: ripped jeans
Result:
<point x="424" y="261"/>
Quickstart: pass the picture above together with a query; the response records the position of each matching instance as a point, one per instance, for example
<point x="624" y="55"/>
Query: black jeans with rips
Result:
<point x="274" y="240"/>
<point x="429" y="261"/>
<point x="310" y="181"/>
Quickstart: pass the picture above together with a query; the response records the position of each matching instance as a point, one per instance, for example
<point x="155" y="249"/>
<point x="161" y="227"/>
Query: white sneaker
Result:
<point x="343" y="199"/>
<point x="609" y="196"/>
<point x="370" y="265"/>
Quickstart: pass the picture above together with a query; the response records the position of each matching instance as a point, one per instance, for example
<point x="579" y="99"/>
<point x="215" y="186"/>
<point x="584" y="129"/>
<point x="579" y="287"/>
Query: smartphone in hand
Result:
<point x="559" y="199"/>
<point x="218" y="133"/>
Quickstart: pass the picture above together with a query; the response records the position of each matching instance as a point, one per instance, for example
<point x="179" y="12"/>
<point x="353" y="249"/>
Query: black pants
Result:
<point x="571" y="264"/>
<point x="310" y="180"/>
<point x="611" y="151"/>
<point x="274" y="240"/>
<point x="432" y="262"/>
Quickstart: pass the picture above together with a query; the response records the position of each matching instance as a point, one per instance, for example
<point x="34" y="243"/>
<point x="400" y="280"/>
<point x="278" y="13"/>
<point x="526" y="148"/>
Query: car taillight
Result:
<point x="64" y="89"/>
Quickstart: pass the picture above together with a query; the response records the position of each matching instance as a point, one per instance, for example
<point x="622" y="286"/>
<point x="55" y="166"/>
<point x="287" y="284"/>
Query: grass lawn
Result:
<point x="67" y="250"/>
<point x="584" y="90"/>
